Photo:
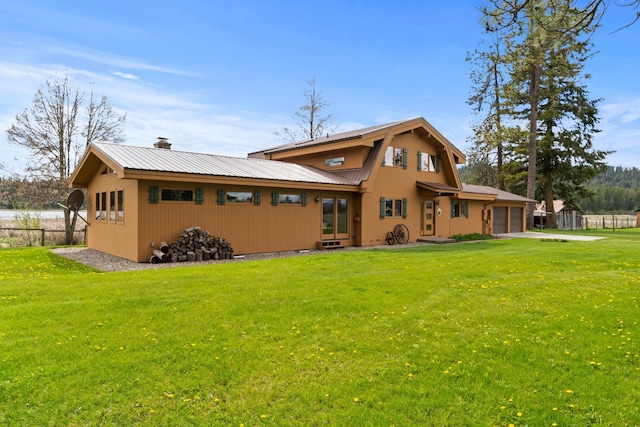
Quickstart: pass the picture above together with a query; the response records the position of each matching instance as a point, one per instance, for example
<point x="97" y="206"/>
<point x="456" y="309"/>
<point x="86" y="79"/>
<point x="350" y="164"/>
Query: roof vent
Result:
<point x="162" y="143"/>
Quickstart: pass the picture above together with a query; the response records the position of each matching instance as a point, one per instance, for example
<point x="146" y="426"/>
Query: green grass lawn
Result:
<point x="494" y="333"/>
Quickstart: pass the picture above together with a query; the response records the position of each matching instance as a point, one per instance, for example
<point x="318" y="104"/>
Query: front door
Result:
<point x="428" y="218"/>
<point x="335" y="218"/>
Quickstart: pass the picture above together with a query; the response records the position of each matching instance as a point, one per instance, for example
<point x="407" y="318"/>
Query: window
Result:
<point x="459" y="209"/>
<point x="112" y="206"/>
<point x="239" y="197"/>
<point x="398" y="208"/>
<point x="336" y="161"/>
<point x="120" y="217"/>
<point x="289" y="199"/>
<point x="428" y="162"/>
<point x="393" y="207"/>
<point x="103" y="206"/>
<point x="395" y="157"/>
<point x="388" y="207"/>
<point x="170" y="195"/>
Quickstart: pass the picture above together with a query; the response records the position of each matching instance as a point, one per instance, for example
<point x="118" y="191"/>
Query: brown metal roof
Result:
<point x="502" y="195"/>
<point x="437" y="187"/>
<point x="163" y="160"/>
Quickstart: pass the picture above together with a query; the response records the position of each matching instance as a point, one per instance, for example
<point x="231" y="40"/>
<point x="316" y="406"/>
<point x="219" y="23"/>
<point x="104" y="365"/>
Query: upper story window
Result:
<point x="428" y="162"/>
<point x="333" y="162"/>
<point x="395" y="156"/>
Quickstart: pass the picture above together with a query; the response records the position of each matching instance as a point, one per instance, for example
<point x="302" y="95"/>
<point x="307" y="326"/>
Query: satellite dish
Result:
<point x="75" y="199"/>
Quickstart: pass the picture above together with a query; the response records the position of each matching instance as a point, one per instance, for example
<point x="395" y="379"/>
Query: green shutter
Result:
<point x="453" y="208"/>
<point x="256" y="198"/>
<point x="153" y="194"/>
<point x="404" y="208"/>
<point x="419" y="160"/>
<point x="274" y="198"/>
<point x="303" y="199"/>
<point x="221" y="196"/>
<point x="199" y="196"/>
<point x="438" y="163"/>
<point x="405" y="158"/>
<point x="466" y="209"/>
<point x="383" y="213"/>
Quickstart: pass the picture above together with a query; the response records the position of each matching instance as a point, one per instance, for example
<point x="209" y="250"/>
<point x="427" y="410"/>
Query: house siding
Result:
<point x="247" y="227"/>
<point x="113" y="237"/>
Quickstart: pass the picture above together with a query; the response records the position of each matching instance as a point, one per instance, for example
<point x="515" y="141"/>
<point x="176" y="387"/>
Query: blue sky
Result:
<point x="221" y="77"/>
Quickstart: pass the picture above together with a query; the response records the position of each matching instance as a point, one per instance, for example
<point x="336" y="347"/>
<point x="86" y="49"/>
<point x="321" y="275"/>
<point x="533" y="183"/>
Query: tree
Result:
<point x="533" y="30"/>
<point x="53" y="133"/>
<point x="310" y="119"/>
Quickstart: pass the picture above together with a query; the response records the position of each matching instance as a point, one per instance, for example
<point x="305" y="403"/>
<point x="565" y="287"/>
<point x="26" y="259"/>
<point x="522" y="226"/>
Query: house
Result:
<point x="346" y="189"/>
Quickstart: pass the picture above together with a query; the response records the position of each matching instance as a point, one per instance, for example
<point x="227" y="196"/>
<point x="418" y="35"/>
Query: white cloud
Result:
<point x="124" y="75"/>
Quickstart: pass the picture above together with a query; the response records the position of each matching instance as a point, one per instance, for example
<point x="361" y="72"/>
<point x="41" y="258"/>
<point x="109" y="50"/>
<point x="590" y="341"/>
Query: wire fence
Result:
<point x="594" y="222"/>
<point x="17" y="237"/>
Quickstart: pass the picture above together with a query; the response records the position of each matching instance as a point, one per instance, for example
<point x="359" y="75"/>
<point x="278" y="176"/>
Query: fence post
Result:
<point x="42" y="234"/>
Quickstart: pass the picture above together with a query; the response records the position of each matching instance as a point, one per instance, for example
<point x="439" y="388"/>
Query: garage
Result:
<point x="499" y="219"/>
<point x="516" y="220"/>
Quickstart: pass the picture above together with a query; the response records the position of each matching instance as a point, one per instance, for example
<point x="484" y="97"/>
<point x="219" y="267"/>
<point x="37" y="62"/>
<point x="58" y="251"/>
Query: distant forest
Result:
<point x="617" y="191"/>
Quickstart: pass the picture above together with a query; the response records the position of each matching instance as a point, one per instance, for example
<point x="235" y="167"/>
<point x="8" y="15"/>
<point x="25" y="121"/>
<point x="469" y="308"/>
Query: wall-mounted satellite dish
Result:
<point x="75" y="199"/>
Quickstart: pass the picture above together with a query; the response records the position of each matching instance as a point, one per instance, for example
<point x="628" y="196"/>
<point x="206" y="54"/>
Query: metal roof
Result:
<point x="502" y="195"/>
<point x="164" y="160"/>
<point x="331" y="138"/>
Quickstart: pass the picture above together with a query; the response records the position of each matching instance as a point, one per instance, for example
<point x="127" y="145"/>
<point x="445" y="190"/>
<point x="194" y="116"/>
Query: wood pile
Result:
<point x="194" y="244"/>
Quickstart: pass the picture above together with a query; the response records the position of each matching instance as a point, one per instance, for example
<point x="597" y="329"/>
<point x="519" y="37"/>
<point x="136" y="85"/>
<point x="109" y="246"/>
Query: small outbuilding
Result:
<point x="346" y="189"/>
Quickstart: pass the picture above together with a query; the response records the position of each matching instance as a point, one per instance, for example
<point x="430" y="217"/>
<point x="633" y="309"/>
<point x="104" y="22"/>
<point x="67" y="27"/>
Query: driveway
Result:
<point x="536" y="235"/>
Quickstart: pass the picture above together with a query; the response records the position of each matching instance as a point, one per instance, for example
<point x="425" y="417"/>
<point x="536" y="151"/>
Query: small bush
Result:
<point x="471" y="237"/>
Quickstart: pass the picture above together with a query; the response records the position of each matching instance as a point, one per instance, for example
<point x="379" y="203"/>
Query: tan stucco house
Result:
<point x="346" y="189"/>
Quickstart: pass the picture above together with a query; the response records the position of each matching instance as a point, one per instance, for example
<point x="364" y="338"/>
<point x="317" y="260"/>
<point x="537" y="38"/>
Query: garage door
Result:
<point x="499" y="219"/>
<point x="515" y="223"/>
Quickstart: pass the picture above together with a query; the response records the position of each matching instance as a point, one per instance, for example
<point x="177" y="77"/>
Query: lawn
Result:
<point x="493" y="333"/>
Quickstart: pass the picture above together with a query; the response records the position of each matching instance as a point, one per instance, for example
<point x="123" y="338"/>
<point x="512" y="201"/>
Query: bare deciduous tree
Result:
<point x="310" y="119"/>
<point x="52" y="132"/>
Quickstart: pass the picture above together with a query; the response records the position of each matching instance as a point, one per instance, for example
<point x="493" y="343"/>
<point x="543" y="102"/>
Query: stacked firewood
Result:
<point x="194" y="244"/>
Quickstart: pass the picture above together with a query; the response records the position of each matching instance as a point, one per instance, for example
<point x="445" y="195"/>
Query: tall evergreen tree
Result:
<point x="547" y="45"/>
